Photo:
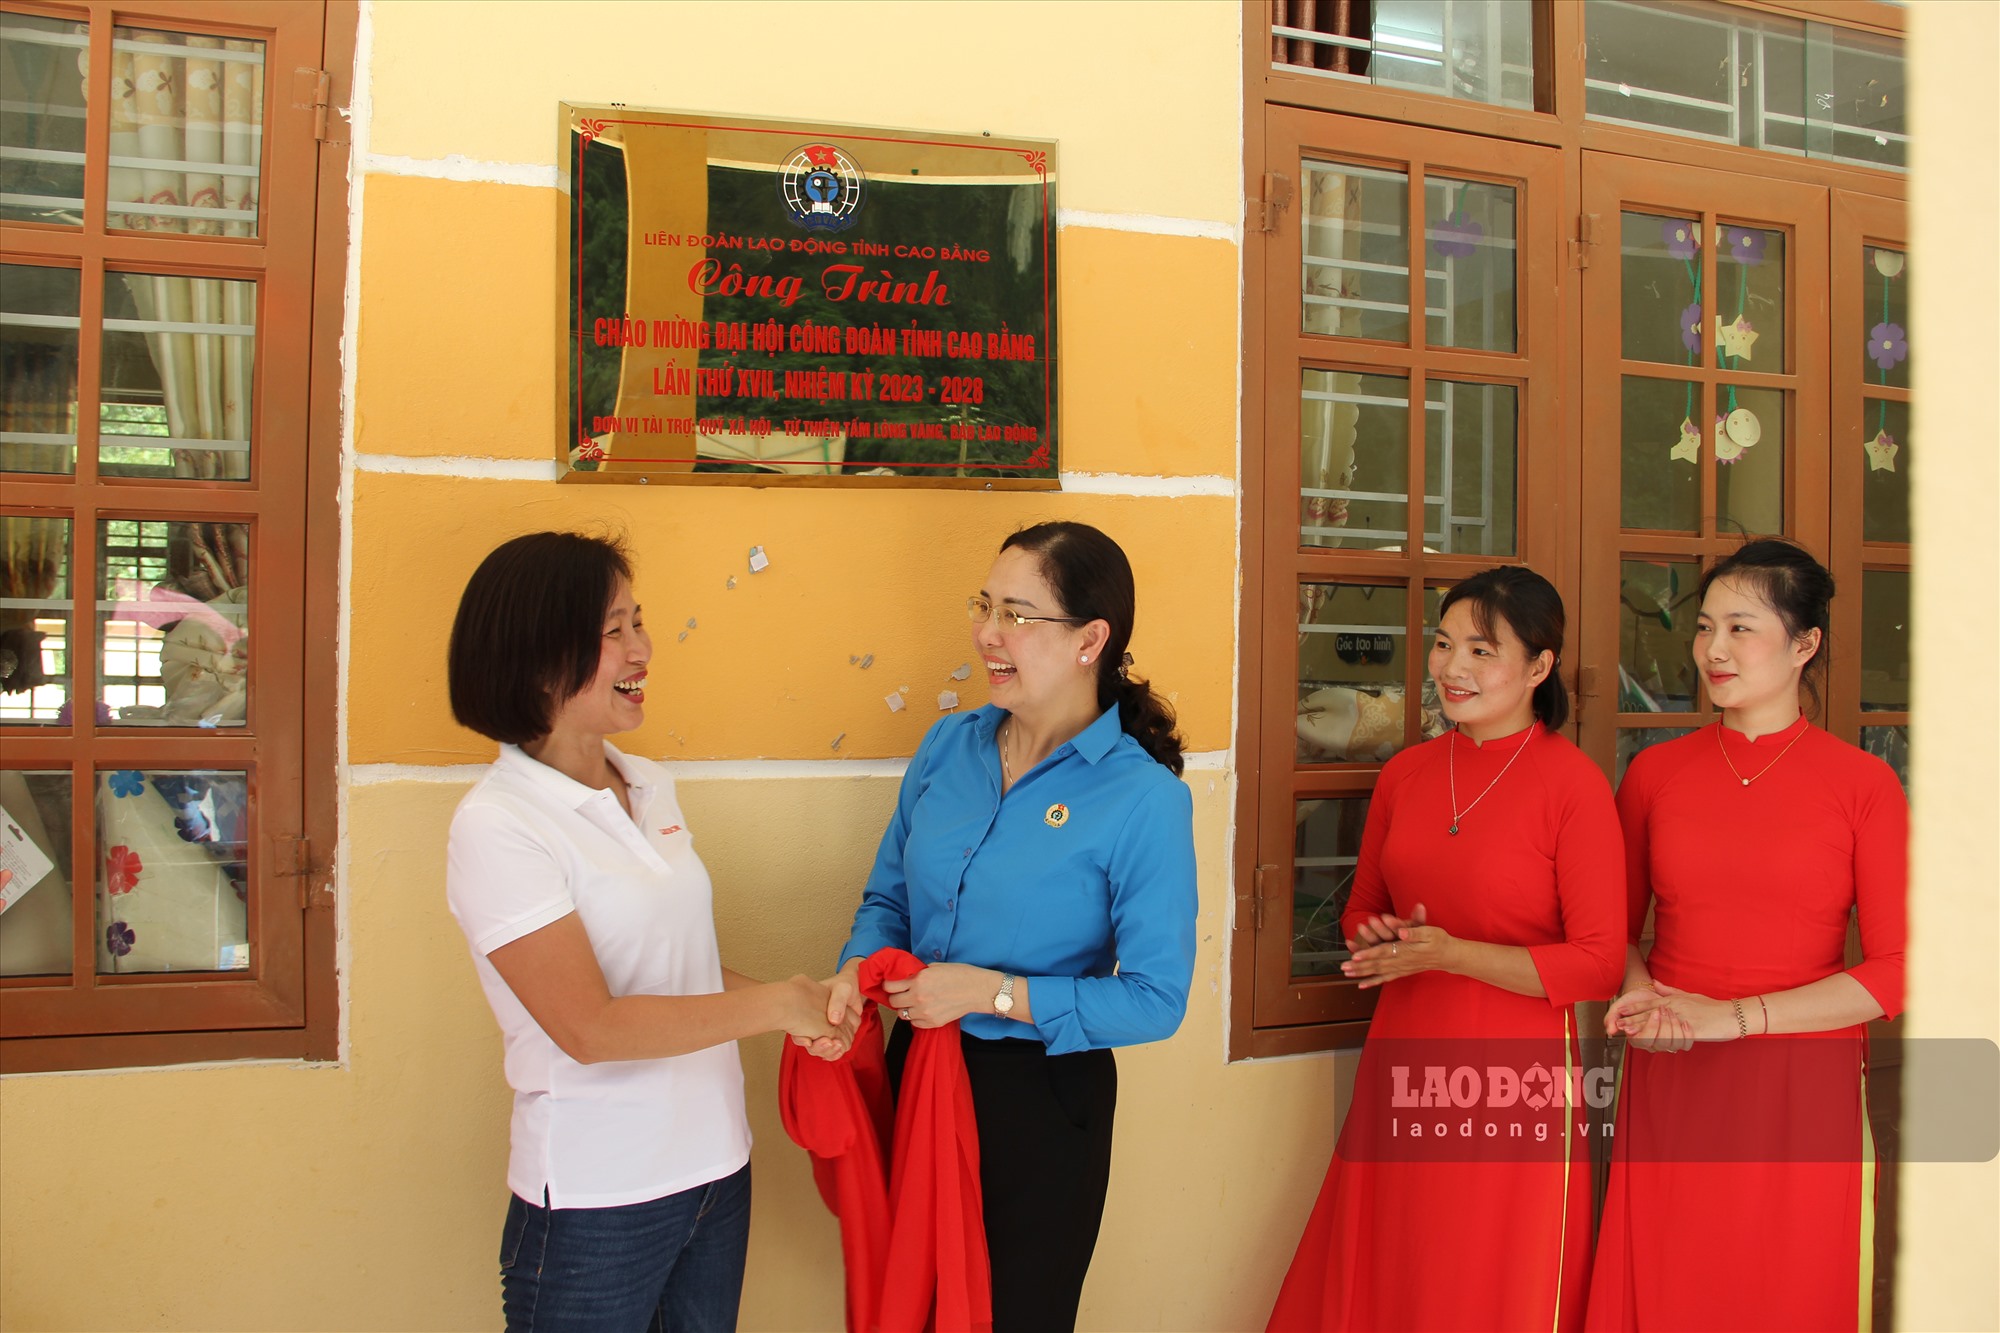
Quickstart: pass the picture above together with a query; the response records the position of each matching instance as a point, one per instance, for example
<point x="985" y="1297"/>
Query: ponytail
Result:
<point x="1142" y="713"/>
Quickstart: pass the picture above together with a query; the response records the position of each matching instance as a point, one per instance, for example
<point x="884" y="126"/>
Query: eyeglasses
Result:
<point x="978" y="610"/>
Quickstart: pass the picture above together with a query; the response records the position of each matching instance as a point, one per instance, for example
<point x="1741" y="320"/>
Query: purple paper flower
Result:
<point x="119" y="938"/>
<point x="1682" y="237"/>
<point x="65" y="714"/>
<point x="1691" y="328"/>
<point x="1888" y="345"/>
<point x="1456" y="238"/>
<point x="1745" y="245"/>
<point x="127" y="782"/>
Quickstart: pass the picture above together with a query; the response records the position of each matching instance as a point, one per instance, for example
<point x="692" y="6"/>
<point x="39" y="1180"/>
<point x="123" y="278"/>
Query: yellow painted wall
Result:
<point x="368" y="1195"/>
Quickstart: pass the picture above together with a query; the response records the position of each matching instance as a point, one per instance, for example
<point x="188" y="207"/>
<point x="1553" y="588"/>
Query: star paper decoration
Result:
<point x="1881" y="452"/>
<point x="1689" y="447"/>
<point x="1735" y="338"/>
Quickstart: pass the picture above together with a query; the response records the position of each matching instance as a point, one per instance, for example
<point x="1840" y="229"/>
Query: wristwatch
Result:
<point x="1003" y="1003"/>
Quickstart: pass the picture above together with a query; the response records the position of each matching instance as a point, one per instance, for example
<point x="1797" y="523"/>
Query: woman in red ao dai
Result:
<point x="1487" y="901"/>
<point x="1754" y="840"/>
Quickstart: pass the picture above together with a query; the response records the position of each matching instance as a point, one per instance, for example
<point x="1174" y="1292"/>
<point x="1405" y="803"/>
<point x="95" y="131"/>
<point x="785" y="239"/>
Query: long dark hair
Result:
<point x="1093" y="580"/>
<point x="1786" y="578"/>
<point x="1532" y="610"/>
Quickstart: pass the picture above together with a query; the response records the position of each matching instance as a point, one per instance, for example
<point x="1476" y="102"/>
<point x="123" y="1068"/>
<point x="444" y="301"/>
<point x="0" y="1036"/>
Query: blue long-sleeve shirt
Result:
<point x="1079" y="880"/>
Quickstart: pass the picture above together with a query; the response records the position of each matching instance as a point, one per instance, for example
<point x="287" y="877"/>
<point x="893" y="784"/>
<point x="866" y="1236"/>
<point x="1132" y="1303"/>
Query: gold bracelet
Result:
<point x="1742" y="1027"/>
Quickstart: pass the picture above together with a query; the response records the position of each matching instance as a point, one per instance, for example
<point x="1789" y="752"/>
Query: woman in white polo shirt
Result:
<point x="575" y="879"/>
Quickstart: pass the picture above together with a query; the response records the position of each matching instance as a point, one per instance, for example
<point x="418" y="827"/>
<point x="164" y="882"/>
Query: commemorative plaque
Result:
<point x="793" y="303"/>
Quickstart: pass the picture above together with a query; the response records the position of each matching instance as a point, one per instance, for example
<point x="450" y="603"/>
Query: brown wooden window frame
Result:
<point x="285" y="1005"/>
<point x="1374" y="116"/>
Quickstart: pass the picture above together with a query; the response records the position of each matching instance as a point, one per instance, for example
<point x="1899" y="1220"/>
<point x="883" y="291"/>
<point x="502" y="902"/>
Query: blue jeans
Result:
<point x="671" y="1265"/>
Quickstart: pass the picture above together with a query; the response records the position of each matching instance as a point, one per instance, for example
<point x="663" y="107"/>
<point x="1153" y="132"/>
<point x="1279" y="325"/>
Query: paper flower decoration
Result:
<point x="1691" y="328"/>
<point x="1689" y="447"/>
<point x="119" y="938"/>
<point x="1457" y="238"/>
<point x="1888" y="263"/>
<point x="122" y="868"/>
<point x="1735" y="338"/>
<point x="1744" y="244"/>
<point x="1682" y="237"/>
<point x="1887" y="345"/>
<point x="127" y="782"/>
<point x="1881" y="452"/>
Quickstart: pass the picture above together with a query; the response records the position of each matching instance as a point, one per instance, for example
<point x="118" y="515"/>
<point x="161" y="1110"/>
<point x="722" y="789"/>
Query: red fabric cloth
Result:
<point x="1752" y="889"/>
<point x="927" y="1210"/>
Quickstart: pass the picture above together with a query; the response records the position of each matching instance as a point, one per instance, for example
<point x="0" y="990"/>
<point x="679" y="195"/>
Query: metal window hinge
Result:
<point x="1277" y="194"/>
<point x="291" y="858"/>
<point x="1255" y="900"/>
<point x="1586" y="237"/>
<point x="1586" y="690"/>
<point x="312" y="90"/>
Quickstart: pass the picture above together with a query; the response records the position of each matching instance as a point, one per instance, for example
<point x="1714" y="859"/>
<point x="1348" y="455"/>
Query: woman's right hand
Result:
<point x="806" y="1019"/>
<point x="843" y="995"/>
<point x="1383" y="929"/>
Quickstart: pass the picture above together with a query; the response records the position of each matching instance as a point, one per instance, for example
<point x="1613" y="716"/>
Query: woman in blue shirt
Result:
<point x="1041" y="862"/>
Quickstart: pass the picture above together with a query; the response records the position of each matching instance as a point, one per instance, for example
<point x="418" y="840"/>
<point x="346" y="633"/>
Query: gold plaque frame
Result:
<point x="769" y="302"/>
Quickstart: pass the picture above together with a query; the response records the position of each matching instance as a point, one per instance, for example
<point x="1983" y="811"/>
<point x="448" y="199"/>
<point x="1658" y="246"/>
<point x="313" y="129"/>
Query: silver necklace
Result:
<point x="1006" y="768"/>
<point x="1452" y="771"/>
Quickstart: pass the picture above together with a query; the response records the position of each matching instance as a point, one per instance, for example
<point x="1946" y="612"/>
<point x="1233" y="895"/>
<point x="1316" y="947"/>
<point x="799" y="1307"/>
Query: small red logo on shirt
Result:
<point x="669" y="830"/>
<point x="1056" y="816"/>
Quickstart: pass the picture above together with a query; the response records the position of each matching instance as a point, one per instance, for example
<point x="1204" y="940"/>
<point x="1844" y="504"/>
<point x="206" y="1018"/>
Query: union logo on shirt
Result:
<point x="670" y="830"/>
<point x="1056" y="815"/>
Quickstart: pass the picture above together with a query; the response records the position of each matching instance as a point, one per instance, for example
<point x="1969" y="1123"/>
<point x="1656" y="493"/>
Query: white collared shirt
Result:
<point x="528" y="847"/>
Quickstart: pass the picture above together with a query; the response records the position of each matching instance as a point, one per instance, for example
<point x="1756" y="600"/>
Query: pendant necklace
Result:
<point x="1452" y="771"/>
<point x="1766" y="768"/>
<point x="1006" y="768"/>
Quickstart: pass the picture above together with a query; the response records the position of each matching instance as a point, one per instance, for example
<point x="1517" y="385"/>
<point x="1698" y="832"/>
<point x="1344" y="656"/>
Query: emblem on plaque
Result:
<point x="821" y="188"/>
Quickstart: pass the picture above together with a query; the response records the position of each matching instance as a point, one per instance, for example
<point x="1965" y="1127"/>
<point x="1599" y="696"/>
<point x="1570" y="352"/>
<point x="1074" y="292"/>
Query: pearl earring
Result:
<point x="1084" y="659"/>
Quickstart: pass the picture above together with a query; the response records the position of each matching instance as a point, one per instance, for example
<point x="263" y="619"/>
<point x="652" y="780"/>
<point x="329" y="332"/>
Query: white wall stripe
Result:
<point x="486" y="469"/>
<point x="712" y="770"/>
<point x="1150" y="224"/>
<point x="458" y="167"/>
<point x="1125" y="483"/>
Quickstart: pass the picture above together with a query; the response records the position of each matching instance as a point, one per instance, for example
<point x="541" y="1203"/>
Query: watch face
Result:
<point x="1003" y="1004"/>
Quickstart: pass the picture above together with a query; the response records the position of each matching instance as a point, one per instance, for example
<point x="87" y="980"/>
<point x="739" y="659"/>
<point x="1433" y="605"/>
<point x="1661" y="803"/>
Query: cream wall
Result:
<point x="369" y="1195"/>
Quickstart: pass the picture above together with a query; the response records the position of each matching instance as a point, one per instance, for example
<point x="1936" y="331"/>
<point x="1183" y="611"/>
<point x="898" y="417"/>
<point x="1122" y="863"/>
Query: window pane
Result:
<point x="1885" y="317"/>
<point x="1631" y="740"/>
<point x="1749" y="438"/>
<point x="36" y="922"/>
<point x="174" y="622"/>
<point x="1356" y="222"/>
<point x="1659" y="279"/>
<point x="177" y="376"/>
<point x="38" y="340"/>
<point x="1863" y="118"/>
<point x="42" y="62"/>
<point x="187" y="133"/>
<point x="1352" y="641"/>
<point x="1885" y="471"/>
<point x="1354" y="460"/>
<point x="1656" y="611"/>
<point x="1470" y="437"/>
<point x="1885" y="640"/>
<point x="1325" y="849"/>
<point x="172" y="878"/>
<point x="1749" y="310"/>
<point x="1478" y="50"/>
<point x="1660" y="477"/>
<point x="35" y="609"/>
<point x="1892" y="746"/>
<point x="1469" y="253"/>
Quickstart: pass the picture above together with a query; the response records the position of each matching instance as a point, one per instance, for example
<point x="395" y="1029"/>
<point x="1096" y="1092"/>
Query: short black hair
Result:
<point x="1532" y="610"/>
<point x="529" y="631"/>
<point x="1787" y="578"/>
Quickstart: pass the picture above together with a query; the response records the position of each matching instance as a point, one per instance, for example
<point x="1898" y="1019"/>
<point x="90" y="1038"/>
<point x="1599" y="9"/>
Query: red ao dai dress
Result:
<point x="1752" y="888"/>
<point x="1470" y="1233"/>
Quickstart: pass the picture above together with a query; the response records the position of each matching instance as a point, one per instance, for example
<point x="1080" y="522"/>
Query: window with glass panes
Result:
<point x="166" y="782"/>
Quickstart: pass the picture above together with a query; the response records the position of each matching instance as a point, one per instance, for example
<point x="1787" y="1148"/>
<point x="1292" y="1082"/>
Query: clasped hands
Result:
<point x="1389" y="947"/>
<point x="942" y="993"/>
<point x="1663" y="1019"/>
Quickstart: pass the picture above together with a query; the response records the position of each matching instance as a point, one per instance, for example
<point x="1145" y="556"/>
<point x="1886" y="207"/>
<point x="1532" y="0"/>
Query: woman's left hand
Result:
<point x="1417" y="948"/>
<point x="1707" y="1019"/>
<point x="943" y="993"/>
